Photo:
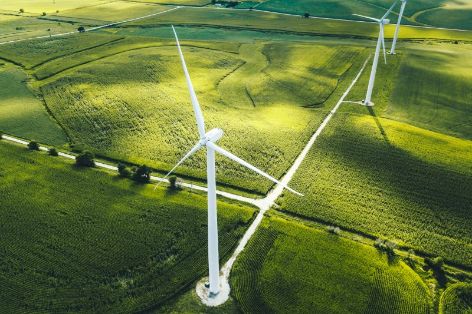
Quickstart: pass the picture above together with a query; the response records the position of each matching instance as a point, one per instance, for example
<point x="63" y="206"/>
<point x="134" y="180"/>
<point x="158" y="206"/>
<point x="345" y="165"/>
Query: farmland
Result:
<point x="456" y="299"/>
<point x="289" y="267"/>
<point x="113" y="122"/>
<point x="82" y="240"/>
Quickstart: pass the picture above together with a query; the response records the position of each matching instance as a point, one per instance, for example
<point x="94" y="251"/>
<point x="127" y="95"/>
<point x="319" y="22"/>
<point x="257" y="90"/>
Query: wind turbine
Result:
<point x="208" y="140"/>
<point x="380" y="41"/>
<point x="397" y="29"/>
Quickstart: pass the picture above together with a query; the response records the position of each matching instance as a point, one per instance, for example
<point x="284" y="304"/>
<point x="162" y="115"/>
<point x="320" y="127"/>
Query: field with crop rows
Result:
<point x="456" y="299"/>
<point x="391" y="180"/>
<point x="83" y="240"/>
<point x="124" y="106"/>
<point x="288" y="267"/>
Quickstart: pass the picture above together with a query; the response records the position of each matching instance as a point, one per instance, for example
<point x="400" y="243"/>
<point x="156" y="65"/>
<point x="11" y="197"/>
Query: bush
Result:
<point x="386" y="246"/>
<point x="81" y="29"/>
<point x="53" y="152"/>
<point x="142" y="174"/>
<point x="333" y="230"/>
<point x="85" y="159"/>
<point x="33" y="145"/>
<point x="306" y="15"/>
<point x="435" y="263"/>
<point x="43" y="14"/>
<point x="173" y="182"/>
<point x="124" y="171"/>
<point x="22" y="11"/>
<point x="1" y="135"/>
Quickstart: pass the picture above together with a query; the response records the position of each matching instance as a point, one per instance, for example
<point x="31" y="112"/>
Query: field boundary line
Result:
<point x="92" y="28"/>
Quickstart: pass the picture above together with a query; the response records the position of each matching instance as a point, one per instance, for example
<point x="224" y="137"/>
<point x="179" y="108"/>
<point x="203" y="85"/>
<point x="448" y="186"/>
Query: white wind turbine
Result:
<point x="208" y="140"/>
<point x="397" y="28"/>
<point x="380" y="41"/>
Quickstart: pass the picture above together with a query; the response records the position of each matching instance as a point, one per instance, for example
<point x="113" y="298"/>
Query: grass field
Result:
<point x="390" y="180"/>
<point x="80" y="240"/>
<point x="457" y="299"/>
<point x="288" y="267"/>
<point x="428" y="86"/>
<point x="22" y="113"/>
<point x="125" y="105"/>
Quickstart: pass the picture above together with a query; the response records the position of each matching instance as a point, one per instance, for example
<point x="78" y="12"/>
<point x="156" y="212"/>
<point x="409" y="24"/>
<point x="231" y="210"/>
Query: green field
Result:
<point x="124" y="93"/>
<point x="457" y="299"/>
<point x="82" y="240"/>
<point x="290" y="268"/>
<point x="22" y="113"/>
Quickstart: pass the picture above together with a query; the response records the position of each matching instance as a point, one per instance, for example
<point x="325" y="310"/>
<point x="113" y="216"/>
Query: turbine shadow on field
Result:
<point x="379" y="125"/>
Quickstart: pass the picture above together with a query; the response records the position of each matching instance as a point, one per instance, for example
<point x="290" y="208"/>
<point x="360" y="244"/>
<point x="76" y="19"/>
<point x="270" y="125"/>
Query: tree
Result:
<point x="306" y="15"/>
<point x="43" y="14"/>
<point x="173" y="182"/>
<point x="81" y="29"/>
<point x="33" y="145"/>
<point x="142" y="174"/>
<point x="85" y="159"/>
<point x="53" y="152"/>
<point x="22" y="11"/>
<point x="123" y="171"/>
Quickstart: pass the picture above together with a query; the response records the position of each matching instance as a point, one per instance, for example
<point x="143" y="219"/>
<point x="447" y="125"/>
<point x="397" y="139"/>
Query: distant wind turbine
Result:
<point x="208" y="140"/>
<point x="397" y="29"/>
<point x="380" y="41"/>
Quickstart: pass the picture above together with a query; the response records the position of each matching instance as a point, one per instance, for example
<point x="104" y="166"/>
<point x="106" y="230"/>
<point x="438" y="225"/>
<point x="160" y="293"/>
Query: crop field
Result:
<point x="456" y="299"/>
<point x="84" y="241"/>
<point x="38" y="6"/>
<point x="451" y="14"/>
<point x="288" y="267"/>
<point x="124" y="106"/>
<point x="242" y="19"/>
<point x="390" y="180"/>
<point x="22" y="113"/>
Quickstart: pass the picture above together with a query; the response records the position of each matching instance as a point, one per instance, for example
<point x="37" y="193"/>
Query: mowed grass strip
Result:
<point x="288" y="267"/>
<point x="390" y="180"/>
<point x="81" y="240"/>
<point x="22" y="113"/>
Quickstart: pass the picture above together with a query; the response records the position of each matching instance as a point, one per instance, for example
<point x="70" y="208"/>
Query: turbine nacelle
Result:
<point x="213" y="135"/>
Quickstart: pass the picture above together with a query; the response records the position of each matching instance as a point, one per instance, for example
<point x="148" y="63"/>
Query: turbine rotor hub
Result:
<point x="213" y="135"/>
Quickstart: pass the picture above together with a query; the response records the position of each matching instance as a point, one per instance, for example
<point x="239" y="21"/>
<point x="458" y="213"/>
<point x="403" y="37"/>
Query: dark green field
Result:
<point x="288" y="267"/>
<point x="80" y="240"/>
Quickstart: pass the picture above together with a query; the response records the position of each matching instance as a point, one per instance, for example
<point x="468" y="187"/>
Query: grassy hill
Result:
<point x="80" y="240"/>
<point x="288" y="267"/>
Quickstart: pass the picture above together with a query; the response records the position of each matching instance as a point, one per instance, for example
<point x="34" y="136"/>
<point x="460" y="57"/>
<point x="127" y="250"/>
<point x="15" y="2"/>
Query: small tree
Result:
<point x="33" y="145"/>
<point x="22" y="11"/>
<point x="142" y="174"/>
<point x="85" y="159"/>
<point x="123" y="171"/>
<point x="53" y="152"/>
<point x="81" y="29"/>
<point x="306" y="15"/>
<point x="435" y="263"/>
<point x="173" y="182"/>
<point x="43" y="14"/>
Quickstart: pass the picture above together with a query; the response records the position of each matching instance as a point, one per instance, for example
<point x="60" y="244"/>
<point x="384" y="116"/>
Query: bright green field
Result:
<point x="81" y="240"/>
<point x="129" y="105"/>
<point x="457" y="299"/>
<point x="290" y="268"/>
<point x="22" y="113"/>
<point x="390" y="180"/>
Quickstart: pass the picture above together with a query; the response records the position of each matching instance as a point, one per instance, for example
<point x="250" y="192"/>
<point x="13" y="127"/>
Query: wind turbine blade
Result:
<point x="389" y="10"/>
<point x="249" y="166"/>
<point x="190" y="153"/>
<point x="368" y="17"/>
<point x="383" y="41"/>
<point x="193" y="96"/>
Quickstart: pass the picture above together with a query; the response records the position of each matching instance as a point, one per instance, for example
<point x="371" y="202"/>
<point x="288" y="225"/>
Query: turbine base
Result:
<point x="209" y="298"/>
<point x="368" y="104"/>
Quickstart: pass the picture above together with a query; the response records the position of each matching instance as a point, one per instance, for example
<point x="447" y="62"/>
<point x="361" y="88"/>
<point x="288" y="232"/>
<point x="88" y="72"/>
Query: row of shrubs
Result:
<point x="140" y="174"/>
